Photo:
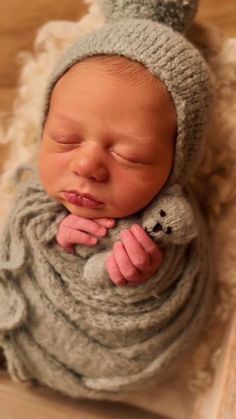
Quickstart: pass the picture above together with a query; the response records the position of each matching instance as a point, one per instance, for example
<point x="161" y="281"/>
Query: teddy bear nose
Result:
<point x="157" y="227"/>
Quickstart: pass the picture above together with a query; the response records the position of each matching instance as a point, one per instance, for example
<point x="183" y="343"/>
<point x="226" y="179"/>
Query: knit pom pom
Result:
<point x="178" y="14"/>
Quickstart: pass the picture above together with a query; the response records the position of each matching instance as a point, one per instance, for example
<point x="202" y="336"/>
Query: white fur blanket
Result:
<point x="215" y="182"/>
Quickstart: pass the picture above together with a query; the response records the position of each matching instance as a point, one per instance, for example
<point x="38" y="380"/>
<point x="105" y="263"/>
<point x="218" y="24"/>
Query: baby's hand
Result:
<point x="134" y="259"/>
<point x="79" y="230"/>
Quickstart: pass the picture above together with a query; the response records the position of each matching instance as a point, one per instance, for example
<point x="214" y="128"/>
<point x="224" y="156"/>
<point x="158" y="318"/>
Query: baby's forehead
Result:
<point x="116" y="65"/>
<point x="118" y="91"/>
<point x="122" y="69"/>
<point x="119" y="71"/>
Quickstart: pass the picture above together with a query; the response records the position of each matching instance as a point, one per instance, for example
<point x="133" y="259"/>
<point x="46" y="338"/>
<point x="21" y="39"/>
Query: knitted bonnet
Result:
<point x="151" y="32"/>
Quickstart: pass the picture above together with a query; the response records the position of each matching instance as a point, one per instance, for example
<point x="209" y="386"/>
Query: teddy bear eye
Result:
<point x="162" y="213"/>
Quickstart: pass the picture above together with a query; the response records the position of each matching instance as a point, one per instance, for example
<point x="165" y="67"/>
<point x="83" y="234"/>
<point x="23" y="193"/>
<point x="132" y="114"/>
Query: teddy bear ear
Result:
<point x="177" y="14"/>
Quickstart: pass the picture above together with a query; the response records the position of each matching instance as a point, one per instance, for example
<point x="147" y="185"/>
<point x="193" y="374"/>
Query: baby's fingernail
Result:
<point x="93" y="240"/>
<point x="136" y="227"/>
<point x="102" y="231"/>
<point x="110" y="222"/>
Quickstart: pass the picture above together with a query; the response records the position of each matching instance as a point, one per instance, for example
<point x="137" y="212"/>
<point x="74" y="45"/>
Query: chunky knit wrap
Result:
<point x="66" y="325"/>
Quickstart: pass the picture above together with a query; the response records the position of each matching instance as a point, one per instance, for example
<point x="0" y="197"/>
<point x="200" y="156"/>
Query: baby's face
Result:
<point x="108" y="136"/>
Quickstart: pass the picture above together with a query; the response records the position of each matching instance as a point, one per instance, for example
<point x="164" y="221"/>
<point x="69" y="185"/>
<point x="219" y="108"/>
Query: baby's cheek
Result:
<point x="52" y="168"/>
<point x="128" y="189"/>
<point x="136" y="189"/>
<point x="60" y="161"/>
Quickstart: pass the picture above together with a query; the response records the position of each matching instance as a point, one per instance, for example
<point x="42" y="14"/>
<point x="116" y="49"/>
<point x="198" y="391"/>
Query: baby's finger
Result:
<point x="155" y="253"/>
<point x="138" y="256"/>
<point x="70" y="236"/>
<point x="106" y="222"/>
<point x="113" y="271"/>
<point x="126" y="267"/>
<point x="87" y="225"/>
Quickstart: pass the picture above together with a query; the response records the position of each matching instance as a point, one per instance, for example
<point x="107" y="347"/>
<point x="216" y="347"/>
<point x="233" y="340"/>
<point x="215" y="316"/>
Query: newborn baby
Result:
<point x="110" y="134"/>
<point x="110" y="204"/>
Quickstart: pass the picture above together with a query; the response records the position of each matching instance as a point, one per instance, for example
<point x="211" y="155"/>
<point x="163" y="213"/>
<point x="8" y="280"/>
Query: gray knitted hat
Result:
<point x="149" y="32"/>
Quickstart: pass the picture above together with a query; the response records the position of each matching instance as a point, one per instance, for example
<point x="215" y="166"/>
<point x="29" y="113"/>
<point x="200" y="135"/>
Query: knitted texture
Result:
<point x="132" y="31"/>
<point x="176" y="14"/>
<point x="66" y="325"/>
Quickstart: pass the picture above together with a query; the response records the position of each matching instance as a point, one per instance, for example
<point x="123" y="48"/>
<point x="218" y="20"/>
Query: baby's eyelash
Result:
<point x="126" y="158"/>
<point x="63" y="139"/>
<point x="66" y="141"/>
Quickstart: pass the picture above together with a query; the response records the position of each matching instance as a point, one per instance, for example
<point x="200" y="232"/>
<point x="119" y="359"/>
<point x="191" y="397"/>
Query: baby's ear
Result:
<point x="177" y="14"/>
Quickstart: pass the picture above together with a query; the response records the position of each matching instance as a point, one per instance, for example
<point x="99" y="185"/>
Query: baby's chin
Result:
<point x="101" y="212"/>
<point x="89" y="212"/>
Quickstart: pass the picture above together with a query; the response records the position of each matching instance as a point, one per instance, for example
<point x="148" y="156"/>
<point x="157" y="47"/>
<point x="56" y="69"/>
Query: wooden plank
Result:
<point x="20" y="19"/>
<point x="21" y="401"/>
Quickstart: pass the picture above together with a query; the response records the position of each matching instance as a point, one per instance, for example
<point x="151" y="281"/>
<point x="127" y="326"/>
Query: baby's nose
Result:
<point x="90" y="162"/>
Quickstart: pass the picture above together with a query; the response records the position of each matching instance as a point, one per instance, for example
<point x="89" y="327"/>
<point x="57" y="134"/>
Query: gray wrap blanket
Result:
<point x="65" y="324"/>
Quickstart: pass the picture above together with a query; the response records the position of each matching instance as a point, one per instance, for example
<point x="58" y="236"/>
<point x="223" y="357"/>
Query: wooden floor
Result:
<point x="20" y="401"/>
<point x="19" y="21"/>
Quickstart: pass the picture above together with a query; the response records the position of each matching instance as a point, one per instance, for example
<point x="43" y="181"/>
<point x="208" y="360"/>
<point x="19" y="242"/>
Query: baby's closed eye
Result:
<point x="128" y="158"/>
